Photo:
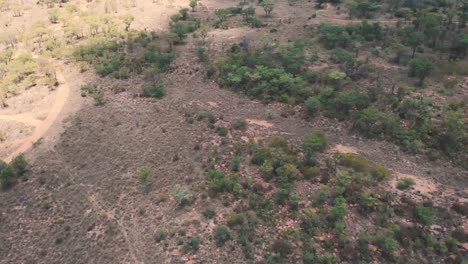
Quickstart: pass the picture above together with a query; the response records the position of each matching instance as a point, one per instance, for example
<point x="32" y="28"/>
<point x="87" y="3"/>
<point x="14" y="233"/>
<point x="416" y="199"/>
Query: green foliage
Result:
<point x="312" y="105"/>
<point x="159" y="236"/>
<point x="333" y="36"/>
<point x="342" y="105"/>
<point x="362" y="8"/>
<point x="201" y="53"/>
<point x="412" y="38"/>
<point x="221" y="235"/>
<point x="268" y="6"/>
<point x="235" y="219"/>
<point x="309" y="222"/>
<point x="405" y="183"/>
<point x="370" y="122"/>
<point x="193" y="4"/>
<point x="235" y="164"/>
<point x="182" y="195"/>
<point x="9" y="173"/>
<point x="144" y="173"/>
<point x="420" y="68"/>
<point x="424" y="215"/>
<point x="209" y="213"/>
<point x="311" y="172"/>
<point x="19" y="73"/>
<point x="53" y="16"/>
<point x="282" y="247"/>
<point x="117" y="59"/>
<point x="218" y="182"/>
<point x="194" y="244"/>
<point x="239" y="124"/>
<point x="353" y="161"/>
<point x="155" y="90"/>
<point x="387" y="244"/>
<point x="367" y="202"/>
<point x="313" y="142"/>
<point x="338" y="211"/>
<point x="257" y="75"/>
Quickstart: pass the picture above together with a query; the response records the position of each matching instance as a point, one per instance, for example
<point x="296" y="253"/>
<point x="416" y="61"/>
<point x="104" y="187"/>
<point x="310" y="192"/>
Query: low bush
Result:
<point x="405" y="183"/>
<point x="10" y="173"/>
<point x="221" y="235"/>
<point x="235" y="219"/>
<point x="155" y="90"/>
<point x="159" y="236"/>
<point x="182" y="195"/>
<point x="209" y="213"/>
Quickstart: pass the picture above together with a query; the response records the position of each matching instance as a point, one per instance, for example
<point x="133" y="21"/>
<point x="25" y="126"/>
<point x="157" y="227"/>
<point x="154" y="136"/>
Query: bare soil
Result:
<point x="85" y="168"/>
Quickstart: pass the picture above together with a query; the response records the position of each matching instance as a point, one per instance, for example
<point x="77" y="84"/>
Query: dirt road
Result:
<point x="41" y="127"/>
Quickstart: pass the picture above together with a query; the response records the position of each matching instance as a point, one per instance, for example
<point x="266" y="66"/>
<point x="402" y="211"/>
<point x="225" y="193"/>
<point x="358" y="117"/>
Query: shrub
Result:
<point x="311" y="172"/>
<point x="194" y="243"/>
<point x="424" y="215"/>
<point x="278" y="142"/>
<point x="209" y="213"/>
<point x="9" y="173"/>
<point x="309" y="222"/>
<point x="98" y="97"/>
<point x="281" y="196"/>
<point x="155" y="90"/>
<point x="221" y="235"/>
<point x="312" y="105"/>
<point x="338" y="211"/>
<point x="367" y="202"/>
<point x="53" y="16"/>
<point x="201" y="53"/>
<point x="217" y="182"/>
<point x="239" y="124"/>
<point x="387" y="244"/>
<point x="144" y="173"/>
<point x="19" y="165"/>
<point x="235" y="219"/>
<point x="159" y="236"/>
<point x="294" y="202"/>
<point x="182" y="195"/>
<point x="260" y="155"/>
<point x="282" y="247"/>
<point x="405" y="183"/>
<point x="420" y="68"/>
<point x="313" y="142"/>
<point x="369" y="122"/>
<point x="380" y="173"/>
<point x="235" y="164"/>
<point x="352" y="160"/>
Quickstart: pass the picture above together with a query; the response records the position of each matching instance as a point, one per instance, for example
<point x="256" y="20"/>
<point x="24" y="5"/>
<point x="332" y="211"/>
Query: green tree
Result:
<point x="180" y="30"/>
<point x="127" y="19"/>
<point x="193" y="5"/>
<point x="184" y="13"/>
<point x="420" y="68"/>
<point x="413" y="39"/>
<point x="313" y="143"/>
<point x="312" y="105"/>
<point x="221" y="235"/>
<point x="268" y="6"/>
<point x="362" y="8"/>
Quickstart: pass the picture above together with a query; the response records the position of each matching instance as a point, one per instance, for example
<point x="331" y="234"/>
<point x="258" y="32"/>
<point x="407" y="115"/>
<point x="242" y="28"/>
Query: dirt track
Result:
<point x="41" y="127"/>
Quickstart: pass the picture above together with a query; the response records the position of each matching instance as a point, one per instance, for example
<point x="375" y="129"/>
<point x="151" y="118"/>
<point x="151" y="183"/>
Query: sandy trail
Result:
<point x="23" y="118"/>
<point x="63" y="91"/>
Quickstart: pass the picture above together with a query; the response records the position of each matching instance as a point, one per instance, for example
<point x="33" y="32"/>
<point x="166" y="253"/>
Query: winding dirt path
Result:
<point x="63" y="91"/>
